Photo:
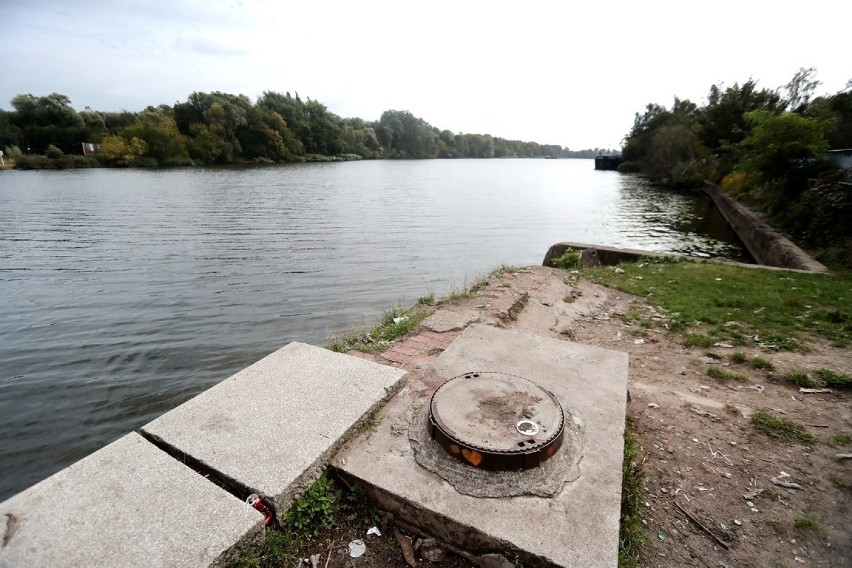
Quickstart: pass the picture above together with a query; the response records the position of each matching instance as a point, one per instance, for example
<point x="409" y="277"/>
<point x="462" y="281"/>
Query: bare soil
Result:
<point x="711" y="492"/>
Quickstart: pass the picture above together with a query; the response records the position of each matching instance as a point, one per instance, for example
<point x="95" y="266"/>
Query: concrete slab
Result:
<point x="576" y="527"/>
<point x="128" y="504"/>
<point x="445" y="320"/>
<point x="272" y="426"/>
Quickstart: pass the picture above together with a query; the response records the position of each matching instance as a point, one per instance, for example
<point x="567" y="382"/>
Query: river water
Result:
<point x="124" y="293"/>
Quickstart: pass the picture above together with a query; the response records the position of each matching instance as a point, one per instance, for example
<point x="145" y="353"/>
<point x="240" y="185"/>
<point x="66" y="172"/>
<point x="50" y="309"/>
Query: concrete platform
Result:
<point x="128" y="504"/>
<point x="272" y="426"/>
<point x="578" y="526"/>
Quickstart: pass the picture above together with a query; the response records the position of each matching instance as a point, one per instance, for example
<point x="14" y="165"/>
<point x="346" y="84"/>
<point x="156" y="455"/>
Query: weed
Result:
<point x="568" y="299"/>
<point x="834" y="379"/>
<point x="760" y="364"/>
<point x="731" y="409"/>
<point x="427" y="300"/>
<point x="821" y="378"/>
<point x="780" y="429"/>
<point x="721" y="374"/>
<point x="631" y="539"/>
<point x="518" y="306"/>
<point x="569" y="259"/>
<point x="314" y="509"/>
<point x="394" y="324"/>
<point x="806" y="525"/>
<point x="839" y="439"/>
<point x="698" y="340"/>
<point x="802" y="379"/>
<point x="738" y="357"/>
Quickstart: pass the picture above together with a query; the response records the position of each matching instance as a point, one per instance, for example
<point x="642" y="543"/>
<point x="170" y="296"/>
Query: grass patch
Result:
<point x="839" y="439"/>
<point x="780" y="429"/>
<point x="806" y="525"/>
<point x="738" y="357"/>
<point x="821" y="378"/>
<point x="721" y="374"/>
<point x="568" y="299"/>
<point x="760" y="364"/>
<point x="631" y="539"/>
<point x="394" y="324"/>
<point x="712" y="302"/>
<point x="834" y="379"/>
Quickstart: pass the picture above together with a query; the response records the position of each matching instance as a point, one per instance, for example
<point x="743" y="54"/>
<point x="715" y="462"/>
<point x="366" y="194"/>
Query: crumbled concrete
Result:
<point x="576" y="527"/>
<point x="272" y="426"/>
<point x="128" y="504"/>
<point x="445" y="320"/>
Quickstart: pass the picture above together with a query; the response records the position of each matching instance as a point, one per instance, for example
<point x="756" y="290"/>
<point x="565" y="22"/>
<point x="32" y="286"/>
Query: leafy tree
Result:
<point x="782" y="151"/>
<point x="48" y="120"/>
<point x="800" y="89"/>
<point x="117" y="151"/>
<point x="159" y="131"/>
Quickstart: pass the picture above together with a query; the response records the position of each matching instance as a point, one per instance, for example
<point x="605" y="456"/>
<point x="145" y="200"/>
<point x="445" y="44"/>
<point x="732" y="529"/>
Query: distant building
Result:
<point x="841" y="159"/>
<point x="89" y="149"/>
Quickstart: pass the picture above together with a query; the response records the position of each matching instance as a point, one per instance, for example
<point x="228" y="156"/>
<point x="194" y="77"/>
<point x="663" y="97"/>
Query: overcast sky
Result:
<point x="568" y="73"/>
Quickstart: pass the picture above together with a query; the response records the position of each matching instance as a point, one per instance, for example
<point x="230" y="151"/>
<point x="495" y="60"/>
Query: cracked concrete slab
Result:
<point x="576" y="527"/>
<point x="445" y="320"/>
<point x="127" y="505"/>
<point x="272" y="426"/>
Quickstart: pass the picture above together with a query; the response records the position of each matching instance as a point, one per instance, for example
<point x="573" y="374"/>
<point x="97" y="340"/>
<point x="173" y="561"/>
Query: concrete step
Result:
<point x="564" y="513"/>
<point x="271" y="427"/>
<point x="129" y="504"/>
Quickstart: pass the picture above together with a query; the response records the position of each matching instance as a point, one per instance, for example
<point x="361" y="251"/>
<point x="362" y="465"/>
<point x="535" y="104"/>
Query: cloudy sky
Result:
<point x="569" y="73"/>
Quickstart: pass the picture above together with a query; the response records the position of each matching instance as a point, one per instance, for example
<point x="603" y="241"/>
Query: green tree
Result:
<point x="48" y="120"/>
<point x="782" y="151"/>
<point x="159" y="131"/>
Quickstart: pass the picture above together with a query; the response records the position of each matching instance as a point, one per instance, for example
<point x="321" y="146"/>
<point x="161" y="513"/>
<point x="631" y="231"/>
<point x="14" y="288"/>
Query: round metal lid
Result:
<point x="493" y="416"/>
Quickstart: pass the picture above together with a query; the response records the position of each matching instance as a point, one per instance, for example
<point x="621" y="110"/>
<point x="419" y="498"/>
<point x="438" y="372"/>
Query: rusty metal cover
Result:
<point x="496" y="421"/>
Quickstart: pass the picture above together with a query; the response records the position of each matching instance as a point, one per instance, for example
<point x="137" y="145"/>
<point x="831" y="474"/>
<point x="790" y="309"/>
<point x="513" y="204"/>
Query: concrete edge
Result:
<point x="313" y="472"/>
<point x="766" y="245"/>
<point x="433" y="525"/>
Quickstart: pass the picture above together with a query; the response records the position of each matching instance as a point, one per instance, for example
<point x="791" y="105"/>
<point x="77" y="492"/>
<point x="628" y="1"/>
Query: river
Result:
<point x="126" y="292"/>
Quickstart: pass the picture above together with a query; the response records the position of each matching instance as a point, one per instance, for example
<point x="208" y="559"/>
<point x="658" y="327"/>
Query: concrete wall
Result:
<point x="766" y="245"/>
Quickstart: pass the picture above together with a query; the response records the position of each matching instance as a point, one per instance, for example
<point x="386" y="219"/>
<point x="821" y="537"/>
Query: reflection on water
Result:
<point x="127" y="292"/>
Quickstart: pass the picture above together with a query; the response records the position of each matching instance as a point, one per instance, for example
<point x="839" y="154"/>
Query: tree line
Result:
<point x="765" y="147"/>
<point x="222" y="128"/>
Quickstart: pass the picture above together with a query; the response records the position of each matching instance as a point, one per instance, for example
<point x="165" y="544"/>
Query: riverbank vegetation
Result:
<point x="713" y="303"/>
<point x="222" y="128"/>
<point x="764" y="147"/>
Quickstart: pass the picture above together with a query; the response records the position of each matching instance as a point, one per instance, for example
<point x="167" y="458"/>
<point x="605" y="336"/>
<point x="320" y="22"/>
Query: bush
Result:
<point x="13" y="152"/>
<point x="177" y="161"/>
<point x="569" y="259"/>
<point x="629" y="167"/>
<point x="53" y="152"/>
<point x="35" y="162"/>
<point x="145" y="162"/>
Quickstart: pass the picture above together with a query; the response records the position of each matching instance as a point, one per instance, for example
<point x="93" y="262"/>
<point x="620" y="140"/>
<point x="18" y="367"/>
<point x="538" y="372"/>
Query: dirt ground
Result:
<point x="714" y="490"/>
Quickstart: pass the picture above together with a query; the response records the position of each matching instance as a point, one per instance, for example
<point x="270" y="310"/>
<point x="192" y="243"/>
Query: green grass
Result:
<point x="834" y="379"/>
<point x="781" y="429"/>
<point x="631" y="538"/>
<point x="711" y="302"/>
<point x="760" y="364"/>
<point x="568" y="260"/>
<point x="839" y="439"/>
<point x="721" y="374"/>
<point x="806" y="525"/>
<point x="379" y="337"/>
<point x="821" y="378"/>
<point x="738" y="357"/>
